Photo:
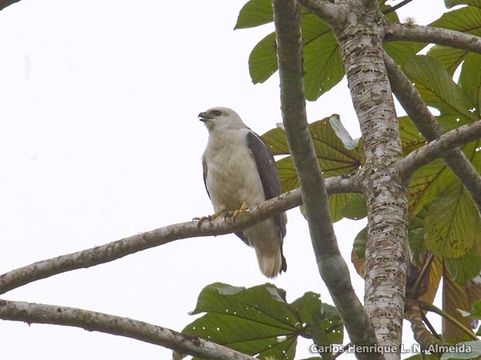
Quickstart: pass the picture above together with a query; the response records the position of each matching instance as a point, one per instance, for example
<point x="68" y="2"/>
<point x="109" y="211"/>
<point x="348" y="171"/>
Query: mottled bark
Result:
<point x="116" y="325"/>
<point x="331" y="265"/>
<point x="438" y="147"/>
<point x="433" y="35"/>
<point x="386" y="250"/>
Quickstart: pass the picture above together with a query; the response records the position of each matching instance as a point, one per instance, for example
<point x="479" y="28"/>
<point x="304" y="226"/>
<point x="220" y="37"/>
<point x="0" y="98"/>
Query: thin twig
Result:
<point x="452" y="319"/>
<point x="396" y="7"/>
<point x="422" y="275"/>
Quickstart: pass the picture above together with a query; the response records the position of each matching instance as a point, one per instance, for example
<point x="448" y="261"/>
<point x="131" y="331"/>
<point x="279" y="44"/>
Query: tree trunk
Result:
<point x="386" y="251"/>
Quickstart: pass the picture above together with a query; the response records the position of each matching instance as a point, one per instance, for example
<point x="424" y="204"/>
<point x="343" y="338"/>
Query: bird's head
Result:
<point x="218" y="118"/>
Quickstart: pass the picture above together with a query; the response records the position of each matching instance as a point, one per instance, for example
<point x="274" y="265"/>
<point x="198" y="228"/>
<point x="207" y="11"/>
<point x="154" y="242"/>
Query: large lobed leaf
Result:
<point x="259" y="321"/>
<point x="334" y="159"/>
<point x="436" y="87"/>
<point x="452" y="224"/>
<point x="467" y="20"/>
<point x="254" y="13"/>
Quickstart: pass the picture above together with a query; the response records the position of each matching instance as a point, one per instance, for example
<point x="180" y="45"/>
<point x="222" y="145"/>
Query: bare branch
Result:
<point x="333" y="14"/>
<point x="426" y="123"/>
<point x="332" y="266"/>
<point x="433" y="35"/>
<point x="120" y="248"/>
<point x="396" y="7"/>
<point x="436" y="148"/>
<point x="116" y="325"/>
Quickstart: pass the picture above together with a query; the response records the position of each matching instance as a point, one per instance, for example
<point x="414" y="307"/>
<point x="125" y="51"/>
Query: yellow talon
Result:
<point x="234" y="213"/>
<point x="214" y="216"/>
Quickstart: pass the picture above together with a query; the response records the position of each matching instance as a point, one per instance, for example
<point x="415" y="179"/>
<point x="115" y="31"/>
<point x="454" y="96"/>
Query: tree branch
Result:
<point x="396" y="7"/>
<point x="436" y="148"/>
<point x="116" y="325"/>
<point x="452" y="319"/>
<point x="427" y="125"/>
<point x="332" y="266"/>
<point x="5" y="3"/>
<point x="386" y="249"/>
<point x="333" y="14"/>
<point x="120" y="248"/>
<point x="429" y="35"/>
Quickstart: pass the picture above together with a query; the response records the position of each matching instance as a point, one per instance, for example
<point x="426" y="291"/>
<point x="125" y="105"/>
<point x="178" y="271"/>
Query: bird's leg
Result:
<point x="214" y="216"/>
<point x="237" y="212"/>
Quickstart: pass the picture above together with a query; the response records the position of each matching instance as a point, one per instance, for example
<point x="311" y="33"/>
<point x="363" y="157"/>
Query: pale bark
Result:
<point x="386" y="249"/>
<point x="438" y="147"/>
<point x="333" y="14"/>
<point x="331" y="265"/>
<point x="130" y="245"/>
<point x="433" y="35"/>
<point x="116" y="325"/>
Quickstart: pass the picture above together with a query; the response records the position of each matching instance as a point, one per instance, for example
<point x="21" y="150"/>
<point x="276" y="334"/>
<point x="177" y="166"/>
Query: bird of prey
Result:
<point x="239" y="172"/>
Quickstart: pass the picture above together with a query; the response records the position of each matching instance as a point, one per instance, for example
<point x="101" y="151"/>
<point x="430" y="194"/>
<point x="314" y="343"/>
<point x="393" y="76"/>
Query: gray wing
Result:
<point x="266" y="167"/>
<point x="204" y="168"/>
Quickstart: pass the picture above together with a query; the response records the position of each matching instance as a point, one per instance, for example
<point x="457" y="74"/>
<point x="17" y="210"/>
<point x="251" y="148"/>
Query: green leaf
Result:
<point x="287" y="174"/>
<point x="355" y="208"/>
<point x="226" y="300"/>
<point x="465" y="350"/>
<point x="254" y="321"/>
<point x="337" y="202"/>
<point x="467" y="20"/>
<point x="263" y="60"/>
<point x="464" y="268"/>
<point x="322" y="58"/>
<point x="325" y="322"/>
<point x="411" y="138"/>
<point x="427" y="183"/>
<point x="276" y="141"/>
<point x="470" y="79"/>
<point x="451" y="3"/>
<point x="437" y="88"/>
<point x="359" y="245"/>
<point x="476" y="310"/>
<point x="348" y="205"/>
<point x="254" y="13"/>
<point x="416" y="236"/>
<point x="259" y="321"/>
<point x="402" y="51"/>
<point x="449" y="57"/>
<point x="333" y="157"/>
<point x="451" y="226"/>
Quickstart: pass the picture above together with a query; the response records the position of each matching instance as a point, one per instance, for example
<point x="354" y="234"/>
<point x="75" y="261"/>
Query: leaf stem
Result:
<point x="436" y="310"/>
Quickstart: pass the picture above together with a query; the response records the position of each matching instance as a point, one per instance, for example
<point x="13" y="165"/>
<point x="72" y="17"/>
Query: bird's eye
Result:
<point x="216" y="112"/>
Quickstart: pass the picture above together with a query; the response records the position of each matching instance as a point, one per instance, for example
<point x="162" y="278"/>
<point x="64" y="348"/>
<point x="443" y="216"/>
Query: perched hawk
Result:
<point x="239" y="172"/>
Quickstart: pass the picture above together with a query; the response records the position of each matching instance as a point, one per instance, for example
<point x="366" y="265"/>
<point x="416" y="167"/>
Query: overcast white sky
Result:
<point x="99" y="139"/>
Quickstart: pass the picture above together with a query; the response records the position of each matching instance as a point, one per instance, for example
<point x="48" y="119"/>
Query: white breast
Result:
<point x="232" y="176"/>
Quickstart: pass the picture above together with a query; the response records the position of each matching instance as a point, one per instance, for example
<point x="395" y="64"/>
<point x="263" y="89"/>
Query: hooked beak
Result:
<point x="203" y="116"/>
